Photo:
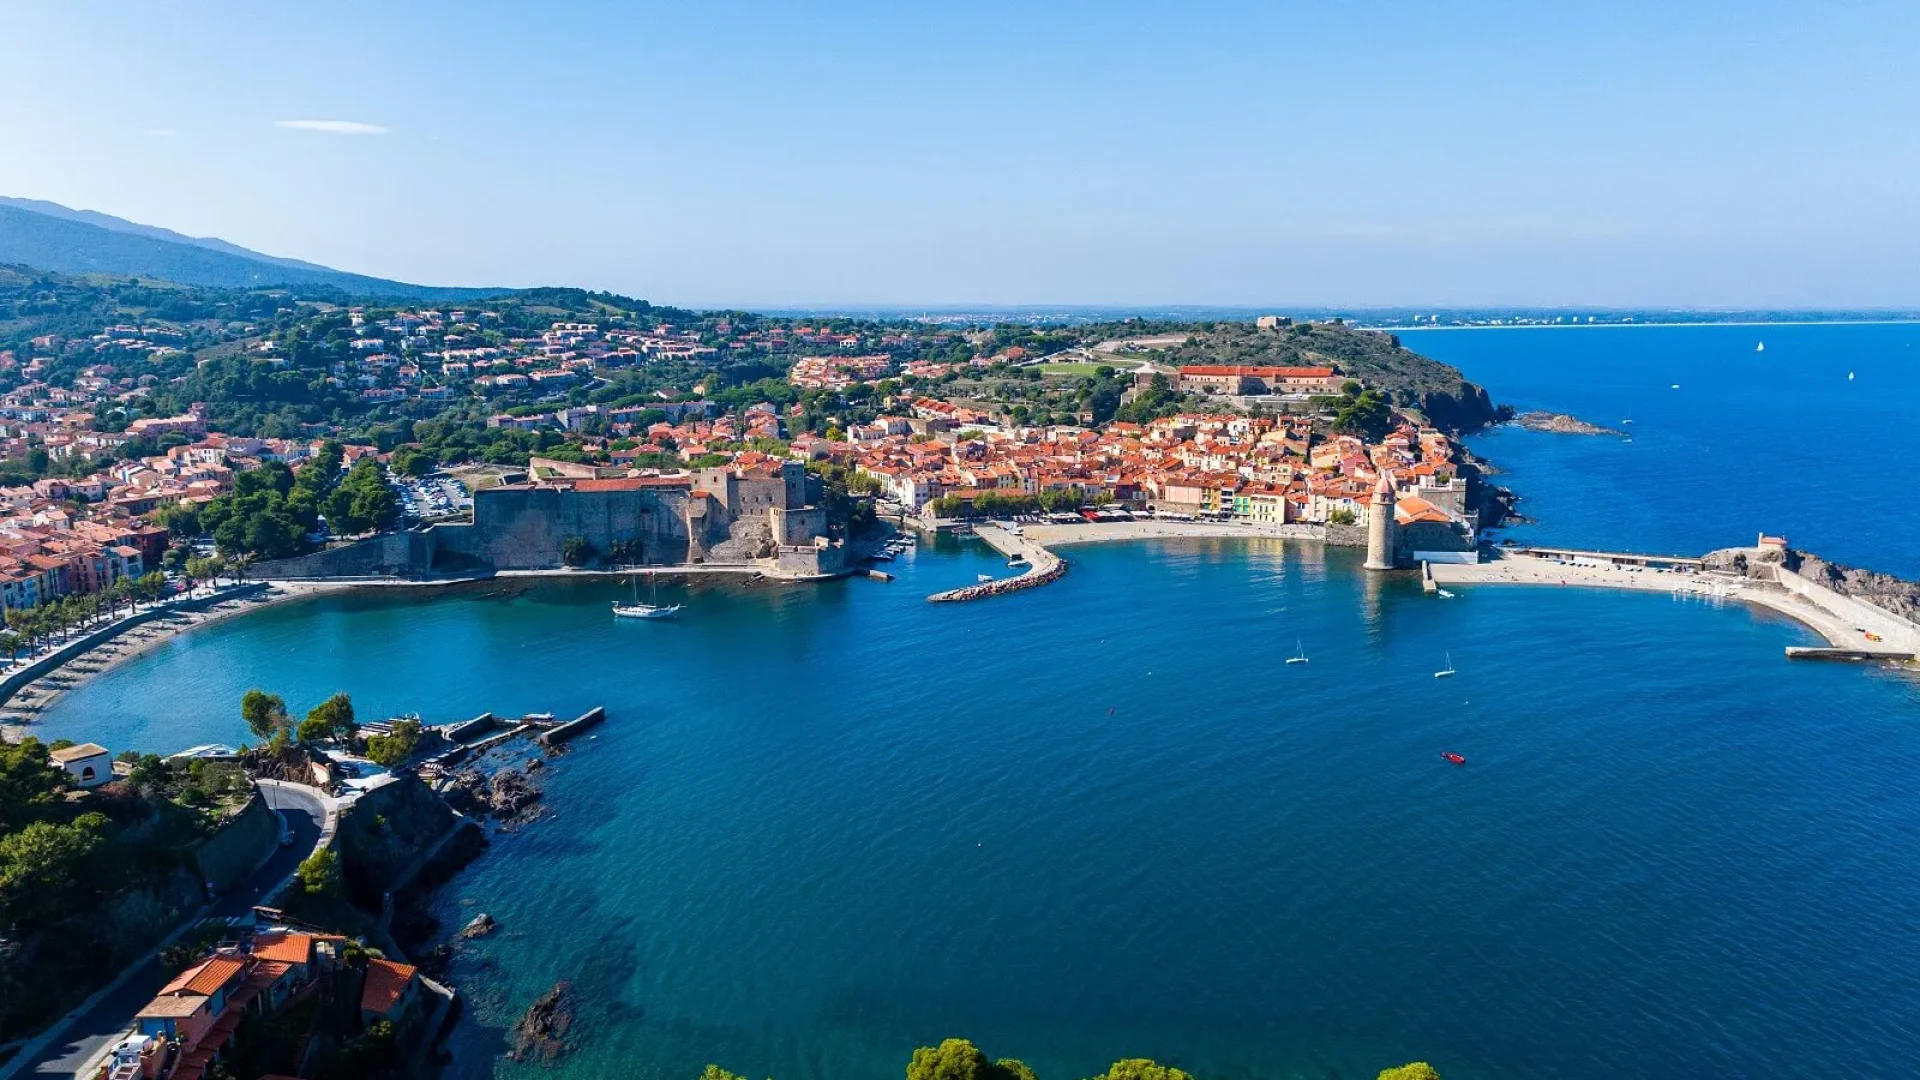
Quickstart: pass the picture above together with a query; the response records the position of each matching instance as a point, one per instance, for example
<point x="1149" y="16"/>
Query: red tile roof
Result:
<point x="386" y="983"/>
<point x="288" y="948"/>
<point x="204" y="978"/>
<point x="1258" y="372"/>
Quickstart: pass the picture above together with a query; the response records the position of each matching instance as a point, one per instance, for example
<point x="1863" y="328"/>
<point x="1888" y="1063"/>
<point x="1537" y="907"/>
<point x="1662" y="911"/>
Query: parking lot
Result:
<point x="432" y="497"/>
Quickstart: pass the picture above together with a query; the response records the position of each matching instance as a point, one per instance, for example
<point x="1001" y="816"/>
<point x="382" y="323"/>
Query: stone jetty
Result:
<point x="1043" y="566"/>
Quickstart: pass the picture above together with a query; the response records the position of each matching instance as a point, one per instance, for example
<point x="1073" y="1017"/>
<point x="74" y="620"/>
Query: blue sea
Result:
<point x="827" y="824"/>
<point x="1727" y="440"/>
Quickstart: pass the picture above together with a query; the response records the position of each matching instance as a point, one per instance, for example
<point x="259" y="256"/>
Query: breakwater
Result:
<point x="1043" y="566"/>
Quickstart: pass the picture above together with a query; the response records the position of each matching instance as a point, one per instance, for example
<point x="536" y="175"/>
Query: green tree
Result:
<point x="715" y="1072"/>
<point x="264" y="713"/>
<point x="204" y="570"/>
<point x="391" y="750"/>
<point x="1418" y="1070"/>
<point x="1366" y="414"/>
<point x="40" y="869"/>
<point x="331" y="719"/>
<point x="150" y="586"/>
<point x="320" y="874"/>
<point x="958" y="1059"/>
<point x="1142" y="1069"/>
<point x="29" y="783"/>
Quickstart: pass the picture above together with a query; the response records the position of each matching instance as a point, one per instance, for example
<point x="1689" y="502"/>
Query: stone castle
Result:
<point x="756" y="515"/>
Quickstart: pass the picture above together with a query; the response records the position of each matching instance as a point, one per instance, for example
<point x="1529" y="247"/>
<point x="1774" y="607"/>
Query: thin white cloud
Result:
<point x="332" y="127"/>
<point x="160" y="133"/>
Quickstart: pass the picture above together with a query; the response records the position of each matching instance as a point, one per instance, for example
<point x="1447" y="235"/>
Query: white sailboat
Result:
<point x="1445" y="672"/>
<point x="650" y="610"/>
<point x="1762" y="347"/>
<point x="1301" y="656"/>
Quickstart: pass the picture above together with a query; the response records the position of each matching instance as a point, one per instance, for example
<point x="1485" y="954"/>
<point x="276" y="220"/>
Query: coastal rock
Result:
<point x="511" y="794"/>
<point x="541" y="1034"/>
<point x="466" y="791"/>
<point x="482" y="925"/>
<point x="435" y="961"/>
<point x="1897" y="595"/>
<point x="1559" y="424"/>
<point x="506" y="795"/>
<point x="1466" y="409"/>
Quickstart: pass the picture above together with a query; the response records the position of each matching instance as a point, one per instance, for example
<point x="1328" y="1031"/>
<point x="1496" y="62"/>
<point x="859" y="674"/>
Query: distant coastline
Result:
<point x="1647" y="325"/>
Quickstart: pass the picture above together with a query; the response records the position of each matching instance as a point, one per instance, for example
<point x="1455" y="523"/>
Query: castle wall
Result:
<point x="527" y="528"/>
<point x="797" y="526"/>
<point x="389" y="555"/>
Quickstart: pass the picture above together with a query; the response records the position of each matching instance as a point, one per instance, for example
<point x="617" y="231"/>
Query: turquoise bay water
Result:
<point x="824" y="825"/>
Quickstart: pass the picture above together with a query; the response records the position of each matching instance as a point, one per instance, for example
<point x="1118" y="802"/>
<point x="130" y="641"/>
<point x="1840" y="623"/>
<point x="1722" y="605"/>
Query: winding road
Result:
<point x="83" y="1037"/>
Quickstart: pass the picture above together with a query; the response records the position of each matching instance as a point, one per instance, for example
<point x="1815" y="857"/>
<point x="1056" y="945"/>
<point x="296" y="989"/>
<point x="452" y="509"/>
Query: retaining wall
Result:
<point x="231" y="853"/>
<point x="1899" y="634"/>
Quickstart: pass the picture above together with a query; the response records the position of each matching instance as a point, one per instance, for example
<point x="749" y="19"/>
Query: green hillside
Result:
<point x="73" y="246"/>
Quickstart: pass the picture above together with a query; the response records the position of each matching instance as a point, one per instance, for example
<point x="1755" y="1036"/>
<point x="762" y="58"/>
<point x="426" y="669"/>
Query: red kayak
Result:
<point x="1453" y="757"/>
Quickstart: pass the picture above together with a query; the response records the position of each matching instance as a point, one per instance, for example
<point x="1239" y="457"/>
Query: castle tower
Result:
<point x="1381" y="526"/>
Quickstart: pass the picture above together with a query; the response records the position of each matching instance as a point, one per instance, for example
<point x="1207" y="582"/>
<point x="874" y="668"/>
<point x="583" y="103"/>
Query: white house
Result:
<point x="89" y="763"/>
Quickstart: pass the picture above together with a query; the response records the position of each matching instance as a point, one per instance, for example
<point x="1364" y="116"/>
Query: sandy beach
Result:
<point x="17" y="715"/>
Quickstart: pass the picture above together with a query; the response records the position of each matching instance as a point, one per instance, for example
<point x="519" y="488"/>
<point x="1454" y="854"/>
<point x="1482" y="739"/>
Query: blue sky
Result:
<point x="1268" y="154"/>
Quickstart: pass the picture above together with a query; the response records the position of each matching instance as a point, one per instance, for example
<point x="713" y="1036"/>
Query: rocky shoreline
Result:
<point x="1560" y="424"/>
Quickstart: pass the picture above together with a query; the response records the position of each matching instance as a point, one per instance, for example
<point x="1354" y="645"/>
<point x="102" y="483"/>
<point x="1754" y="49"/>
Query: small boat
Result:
<point x="1762" y="347"/>
<point x="882" y="556"/>
<point x="1299" y="657"/>
<point x="1446" y="672"/>
<point x="638" y="610"/>
<point x="1629" y="420"/>
<point x="1849" y="376"/>
<point x="1453" y="758"/>
<point x="983" y="578"/>
<point x="1676" y="386"/>
<point x="1443" y="594"/>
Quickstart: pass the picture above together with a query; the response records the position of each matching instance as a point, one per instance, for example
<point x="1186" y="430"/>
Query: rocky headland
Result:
<point x="1560" y="424"/>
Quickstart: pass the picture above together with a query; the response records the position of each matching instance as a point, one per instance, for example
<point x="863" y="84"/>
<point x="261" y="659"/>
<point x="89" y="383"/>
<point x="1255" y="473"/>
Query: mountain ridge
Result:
<point x="50" y="236"/>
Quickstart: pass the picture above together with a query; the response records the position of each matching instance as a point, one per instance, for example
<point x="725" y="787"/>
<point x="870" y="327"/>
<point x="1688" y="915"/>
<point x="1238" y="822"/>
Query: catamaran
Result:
<point x="1445" y="672"/>
<point x="1301" y="656"/>
<point x="651" y="610"/>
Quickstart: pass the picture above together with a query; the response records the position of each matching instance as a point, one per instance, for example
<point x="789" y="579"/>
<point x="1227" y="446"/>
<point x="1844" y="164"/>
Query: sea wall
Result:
<point x="391" y="555"/>
<point x="1897" y="632"/>
<point x="1001" y="586"/>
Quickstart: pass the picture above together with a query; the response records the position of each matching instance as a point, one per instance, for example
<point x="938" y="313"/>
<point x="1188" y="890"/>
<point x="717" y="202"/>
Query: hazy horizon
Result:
<point x="854" y="155"/>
